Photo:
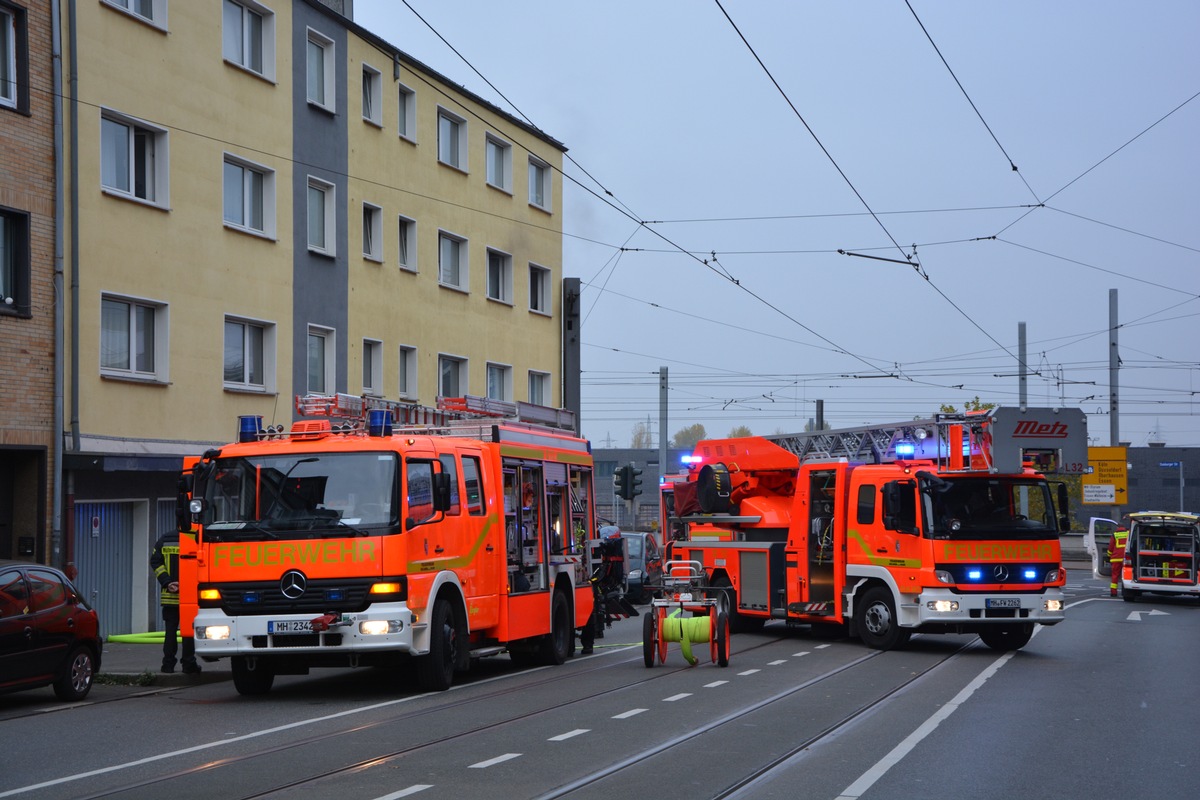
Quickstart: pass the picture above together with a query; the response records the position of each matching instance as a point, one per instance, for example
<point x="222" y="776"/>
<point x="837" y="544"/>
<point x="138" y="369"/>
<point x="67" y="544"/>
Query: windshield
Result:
<point x="299" y="496"/>
<point x="987" y="508"/>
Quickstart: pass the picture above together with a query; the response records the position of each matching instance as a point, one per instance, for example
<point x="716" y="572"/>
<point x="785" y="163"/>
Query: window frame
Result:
<point x="406" y="242"/>
<point x="16" y="262"/>
<point x="502" y="372"/>
<point x="461" y="365"/>
<point x="499" y="276"/>
<point x="158" y="168"/>
<point x="328" y="340"/>
<point x="372" y="357"/>
<point x="494" y="145"/>
<point x="159" y="371"/>
<point x="539" y="276"/>
<point x="268" y="196"/>
<point x="407" y="363"/>
<point x="406" y="113"/>
<point x="267" y="343"/>
<point x="462" y="250"/>
<point x="266" y="35"/>
<point x="543" y="171"/>
<point x="328" y="99"/>
<point x="457" y="149"/>
<point x="372" y="96"/>
<point x="329" y="213"/>
<point x="15" y="37"/>
<point x="543" y="381"/>
<point x="372" y="232"/>
<point x="158" y="11"/>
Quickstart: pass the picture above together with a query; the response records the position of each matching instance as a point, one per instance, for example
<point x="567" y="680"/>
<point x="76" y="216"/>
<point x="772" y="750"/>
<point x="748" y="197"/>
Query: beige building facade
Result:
<point x="265" y="200"/>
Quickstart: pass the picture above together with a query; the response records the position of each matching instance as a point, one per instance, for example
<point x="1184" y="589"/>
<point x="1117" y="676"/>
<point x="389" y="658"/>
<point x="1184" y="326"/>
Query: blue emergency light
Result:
<point x="974" y="574"/>
<point x="905" y="449"/>
<point x="248" y="427"/>
<point x="379" y="422"/>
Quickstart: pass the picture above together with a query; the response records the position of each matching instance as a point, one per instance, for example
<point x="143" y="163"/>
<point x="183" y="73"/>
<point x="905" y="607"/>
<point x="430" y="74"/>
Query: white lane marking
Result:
<point x="562" y="737"/>
<point x="714" y="684"/>
<point x="1136" y="616"/>
<point x="675" y="697"/>
<point x="633" y="712"/>
<point x="749" y="672"/>
<point x="416" y="787"/>
<point x="821" y="646"/>
<point x="491" y="762"/>
<point x="801" y="653"/>
<point x="777" y="662"/>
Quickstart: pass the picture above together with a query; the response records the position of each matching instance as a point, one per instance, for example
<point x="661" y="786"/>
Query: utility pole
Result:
<point x="1023" y="365"/>
<point x="1114" y="361"/>
<point x="662" y="421"/>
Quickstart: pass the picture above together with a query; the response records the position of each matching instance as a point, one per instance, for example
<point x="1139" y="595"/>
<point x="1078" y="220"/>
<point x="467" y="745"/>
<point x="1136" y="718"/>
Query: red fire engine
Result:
<point x="938" y="525"/>
<point x="370" y="540"/>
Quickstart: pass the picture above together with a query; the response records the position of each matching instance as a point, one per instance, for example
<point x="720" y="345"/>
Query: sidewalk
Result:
<point x="140" y="663"/>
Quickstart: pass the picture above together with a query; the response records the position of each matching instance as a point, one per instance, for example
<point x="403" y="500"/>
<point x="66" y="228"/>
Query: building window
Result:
<point x="452" y="376"/>
<point x="321" y="216"/>
<point x="539" y="289"/>
<point x="372" y="374"/>
<point x="452" y="140"/>
<point x="408" y="372"/>
<point x="499" y="276"/>
<point x="408" y="113"/>
<point x="321" y="71"/>
<point x="372" y="223"/>
<point x="499" y="382"/>
<point x="249" y="354"/>
<point x="249" y="196"/>
<point x="372" y="95"/>
<point x="320" y="360"/>
<point x="153" y="11"/>
<point x="132" y="338"/>
<point x="15" y="265"/>
<point x="539" y="183"/>
<point x="407" y="243"/>
<point x="133" y="158"/>
<point x="12" y="31"/>
<point x="499" y="164"/>
<point x="452" y="261"/>
<point x="539" y="387"/>
<point x="248" y="37"/>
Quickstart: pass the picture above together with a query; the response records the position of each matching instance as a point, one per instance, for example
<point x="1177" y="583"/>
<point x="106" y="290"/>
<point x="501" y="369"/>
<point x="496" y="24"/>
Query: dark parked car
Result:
<point x="643" y="566"/>
<point x="48" y="634"/>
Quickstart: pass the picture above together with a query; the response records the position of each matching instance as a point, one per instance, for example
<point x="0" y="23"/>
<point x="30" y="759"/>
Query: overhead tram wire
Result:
<point x="974" y="108"/>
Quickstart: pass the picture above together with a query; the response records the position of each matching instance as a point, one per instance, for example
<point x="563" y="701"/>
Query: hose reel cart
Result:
<point x="684" y="592"/>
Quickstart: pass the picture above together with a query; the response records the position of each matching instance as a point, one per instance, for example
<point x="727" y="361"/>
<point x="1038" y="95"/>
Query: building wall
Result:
<point x="27" y="323"/>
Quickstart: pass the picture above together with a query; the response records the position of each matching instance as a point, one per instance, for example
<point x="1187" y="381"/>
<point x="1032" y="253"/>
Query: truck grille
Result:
<point x="320" y="597"/>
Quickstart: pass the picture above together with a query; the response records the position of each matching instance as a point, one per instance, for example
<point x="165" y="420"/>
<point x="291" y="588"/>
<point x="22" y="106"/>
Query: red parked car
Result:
<point x="49" y="635"/>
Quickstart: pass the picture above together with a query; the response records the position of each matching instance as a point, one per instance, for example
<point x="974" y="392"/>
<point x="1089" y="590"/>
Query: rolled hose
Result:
<point x="686" y="630"/>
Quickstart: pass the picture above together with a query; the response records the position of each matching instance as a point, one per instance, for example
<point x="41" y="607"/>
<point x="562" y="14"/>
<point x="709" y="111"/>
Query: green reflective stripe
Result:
<point x="881" y="561"/>
<point x="417" y="567"/>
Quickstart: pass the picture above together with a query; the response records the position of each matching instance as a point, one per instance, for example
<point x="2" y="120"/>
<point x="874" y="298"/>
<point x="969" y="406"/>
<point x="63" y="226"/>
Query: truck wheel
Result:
<point x="722" y="638"/>
<point x="251" y="677"/>
<point x="875" y="619"/>
<point x="75" y="680"/>
<point x="738" y="622"/>
<point x="435" y="672"/>
<point x="1007" y="637"/>
<point x="1129" y="595"/>
<point x="558" y="643"/>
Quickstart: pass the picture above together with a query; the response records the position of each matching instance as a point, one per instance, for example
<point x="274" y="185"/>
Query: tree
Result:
<point x="641" y="437"/>
<point x="970" y="405"/>
<point x="686" y="438"/>
<point x="811" y="426"/>
<point x="740" y="432"/>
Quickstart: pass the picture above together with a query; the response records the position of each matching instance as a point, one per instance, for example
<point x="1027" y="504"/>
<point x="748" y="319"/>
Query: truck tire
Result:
<point x="556" y="645"/>
<point x="722" y="639"/>
<point x="649" y="637"/>
<point x="435" y="670"/>
<point x="727" y="598"/>
<point x="876" y="622"/>
<point x="251" y="680"/>
<point x="1007" y="637"/>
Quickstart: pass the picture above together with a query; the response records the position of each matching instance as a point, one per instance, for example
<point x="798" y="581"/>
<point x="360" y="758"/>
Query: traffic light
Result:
<point x="633" y="484"/>
<point x="621" y="482"/>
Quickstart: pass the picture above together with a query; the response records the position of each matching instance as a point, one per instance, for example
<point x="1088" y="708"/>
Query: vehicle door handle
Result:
<point x="881" y="550"/>
<point x="439" y="549"/>
<point x="489" y="548"/>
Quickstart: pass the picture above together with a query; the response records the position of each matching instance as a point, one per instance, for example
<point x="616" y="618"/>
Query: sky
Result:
<point x="858" y="202"/>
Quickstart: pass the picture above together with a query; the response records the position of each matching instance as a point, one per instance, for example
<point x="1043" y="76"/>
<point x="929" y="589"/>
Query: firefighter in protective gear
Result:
<point x="1116" y="557"/>
<point x="164" y="560"/>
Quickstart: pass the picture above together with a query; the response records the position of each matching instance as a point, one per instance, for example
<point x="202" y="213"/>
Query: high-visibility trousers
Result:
<point x="1117" y="568"/>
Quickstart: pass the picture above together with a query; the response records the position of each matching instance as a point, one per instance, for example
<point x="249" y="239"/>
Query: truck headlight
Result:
<point x="943" y="576"/>
<point x="378" y="627"/>
<point x="942" y="606"/>
<point x="1053" y="605"/>
<point x="212" y="632"/>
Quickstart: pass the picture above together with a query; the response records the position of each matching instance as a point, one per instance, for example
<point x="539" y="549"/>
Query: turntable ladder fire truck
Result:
<point x="374" y="532"/>
<point x="944" y="525"/>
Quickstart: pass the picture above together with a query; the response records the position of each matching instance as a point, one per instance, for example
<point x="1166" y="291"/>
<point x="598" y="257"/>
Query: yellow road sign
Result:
<point x="1109" y="478"/>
